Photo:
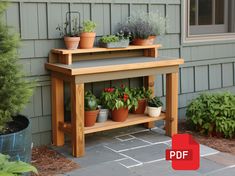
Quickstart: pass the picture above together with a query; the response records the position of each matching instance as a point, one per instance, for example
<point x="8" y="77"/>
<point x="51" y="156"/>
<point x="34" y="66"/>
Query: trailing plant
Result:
<point x="116" y="98"/>
<point x="90" y="101"/>
<point x="14" y="168"/>
<point x="89" y="26"/>
<point x="15" y="90"/>
<point x="141" y="93"/>
<point x="211" y="113"/>
<point x="65" y="31"/>
<point x="142" y="24"/>
<point x="155" y="102"/>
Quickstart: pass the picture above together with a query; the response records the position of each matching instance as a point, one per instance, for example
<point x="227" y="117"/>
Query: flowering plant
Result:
<point x="116" y="98"/>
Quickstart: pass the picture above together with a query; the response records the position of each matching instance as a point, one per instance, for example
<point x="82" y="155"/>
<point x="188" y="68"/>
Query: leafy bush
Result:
<point x="14" y="168"/>
<point x="155" y="102"/>
<point x="89" y="26"/>
<point x="15" y="91"/>
<point x="141" y="93"/>
<point x="211" y="113"/>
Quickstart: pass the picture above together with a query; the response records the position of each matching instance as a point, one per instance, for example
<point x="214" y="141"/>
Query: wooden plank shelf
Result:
<point x="95" y="50"/>
<point x="133" y="119"/>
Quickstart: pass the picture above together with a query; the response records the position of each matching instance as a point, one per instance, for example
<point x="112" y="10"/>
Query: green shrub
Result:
<point x="14" y="168"/>
<point x="15" y="91"/>
<point x="213" y="113"/>
<point x="109" y="39"/>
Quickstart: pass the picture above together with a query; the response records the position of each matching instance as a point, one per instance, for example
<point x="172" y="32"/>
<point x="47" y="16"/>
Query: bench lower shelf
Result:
<point x="133" y="119"/>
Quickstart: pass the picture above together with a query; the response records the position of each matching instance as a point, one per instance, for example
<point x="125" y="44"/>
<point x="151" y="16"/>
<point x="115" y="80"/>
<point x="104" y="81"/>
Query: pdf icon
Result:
<point x="185" y="153"/>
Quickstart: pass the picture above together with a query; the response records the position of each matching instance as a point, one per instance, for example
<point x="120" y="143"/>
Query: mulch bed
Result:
<point x="49" y="162"/>
<point x="221" y="144"/>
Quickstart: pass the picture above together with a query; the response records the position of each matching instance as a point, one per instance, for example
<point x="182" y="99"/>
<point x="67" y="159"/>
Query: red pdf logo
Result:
<point x="185" y="154"/>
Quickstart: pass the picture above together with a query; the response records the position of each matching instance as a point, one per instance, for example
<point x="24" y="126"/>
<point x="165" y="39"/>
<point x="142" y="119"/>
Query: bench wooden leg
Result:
<point x="149" y="83"/>
<point x="57" y="93"/>
<point x="77" y="120"/>
<point x="171" y="104"/>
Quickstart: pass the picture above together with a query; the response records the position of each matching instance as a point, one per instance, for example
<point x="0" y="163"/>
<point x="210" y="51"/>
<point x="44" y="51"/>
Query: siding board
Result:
<point x="187" y="80"/>
<point x="173" y="19"/>
<point x="215" y="76"/>
<point x="227" y="74"/>
<point x="201" y="78"/>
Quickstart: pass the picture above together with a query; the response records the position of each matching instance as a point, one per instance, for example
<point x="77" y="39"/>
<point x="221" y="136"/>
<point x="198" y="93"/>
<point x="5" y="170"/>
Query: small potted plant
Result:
<point x="70" y="31"/>
<point x="142" y="95"/>
<point x="115" y="41"/>
<point x="119" y="101"/>
<point x="91" y="109"/>
<point x="88" y="35"/>
<point x="154" y="107"/>
<point x="145" y="27"/>
<point x="103" y="110"/>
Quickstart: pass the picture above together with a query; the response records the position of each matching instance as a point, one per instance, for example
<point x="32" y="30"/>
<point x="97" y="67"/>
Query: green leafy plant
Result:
<point x="116" y="98"/>
<point x="155" y="102"/>
<point x="65" y="31"/>
<point x="15" y="90"/>
<point x="141" y="93"/>
<point x="109" y="39"/>
<point x="89" y="26"/>
<point x="210" y="113"/>
<point x="14" y="168"/>
<point x="90" y="101"/>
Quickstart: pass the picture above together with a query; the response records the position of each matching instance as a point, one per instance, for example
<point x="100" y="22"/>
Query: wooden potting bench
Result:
<point x="100" y="64"/>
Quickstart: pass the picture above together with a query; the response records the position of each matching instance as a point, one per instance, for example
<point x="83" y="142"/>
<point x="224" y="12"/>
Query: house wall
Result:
<point x="209" y="65"/>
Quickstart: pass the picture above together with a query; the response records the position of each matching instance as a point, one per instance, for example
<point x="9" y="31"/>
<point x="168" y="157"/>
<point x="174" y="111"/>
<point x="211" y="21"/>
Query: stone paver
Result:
<point x="140" y="152"/>
<point x="147" y="154"/>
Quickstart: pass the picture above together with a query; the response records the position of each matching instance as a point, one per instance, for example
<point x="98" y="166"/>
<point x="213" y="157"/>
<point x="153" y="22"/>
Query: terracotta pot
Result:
<point x="71" y="42"/>
<point x="87" y="40"/>
<point x="149" y="41"/>
<point x="141" y="107"/>
<point x="119" y="115"/>
<point x="90" y="118"/>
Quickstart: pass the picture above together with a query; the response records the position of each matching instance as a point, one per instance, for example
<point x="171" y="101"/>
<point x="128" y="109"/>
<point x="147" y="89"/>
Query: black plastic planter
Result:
<point x="18" y="145"/>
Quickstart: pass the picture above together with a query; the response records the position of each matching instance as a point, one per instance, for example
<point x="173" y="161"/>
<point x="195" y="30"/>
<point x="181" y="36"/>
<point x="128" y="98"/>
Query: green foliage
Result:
<point x="142" y="24"/>
<point x="116" y="98"/>
<point x="90" y="101"/>
<point x="65" y="31"/>
<point x="155" y="102"/>
<point x="89" y="26"/>
<point x="14" y="168"/>
<point x="15" y="91"/>
<point x="109" y="39"/>
<point x="141" y="93"/>
<point x="213" y="113"/>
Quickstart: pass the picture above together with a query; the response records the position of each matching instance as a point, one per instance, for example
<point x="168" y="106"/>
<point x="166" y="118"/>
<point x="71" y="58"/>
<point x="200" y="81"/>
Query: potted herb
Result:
<point x="70" y="31"/>
<point x="145" y="27"/>
<point x="115" y="41"/>
<point x="142" y="95"/>
<point x="119" y="101"/>
<point x="91" y="109"/>
<point x="88" y="35"/>
<point x="154" y="107"/>
<point x="11" y="168"/>
<point x="15" y="91"/>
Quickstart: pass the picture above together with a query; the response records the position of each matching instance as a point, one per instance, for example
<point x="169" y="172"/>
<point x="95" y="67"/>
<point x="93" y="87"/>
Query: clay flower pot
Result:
<point x="143" y="42"/>
<point x="141" y="107"/>
<point x="87" y="40"/>
<point x="71" y="42"/>
<point x="119" y="115"/>
<point x="90" y="118"/>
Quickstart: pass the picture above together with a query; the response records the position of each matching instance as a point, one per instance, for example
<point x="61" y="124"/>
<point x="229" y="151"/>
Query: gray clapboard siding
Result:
<point x="209" y="65"/>
<point x="215" y="75"/>
<point x="227" y="74"/>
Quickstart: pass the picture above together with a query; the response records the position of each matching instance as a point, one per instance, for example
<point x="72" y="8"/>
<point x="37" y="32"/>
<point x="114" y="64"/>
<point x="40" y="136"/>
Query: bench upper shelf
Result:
<point x="95" y="50"/>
